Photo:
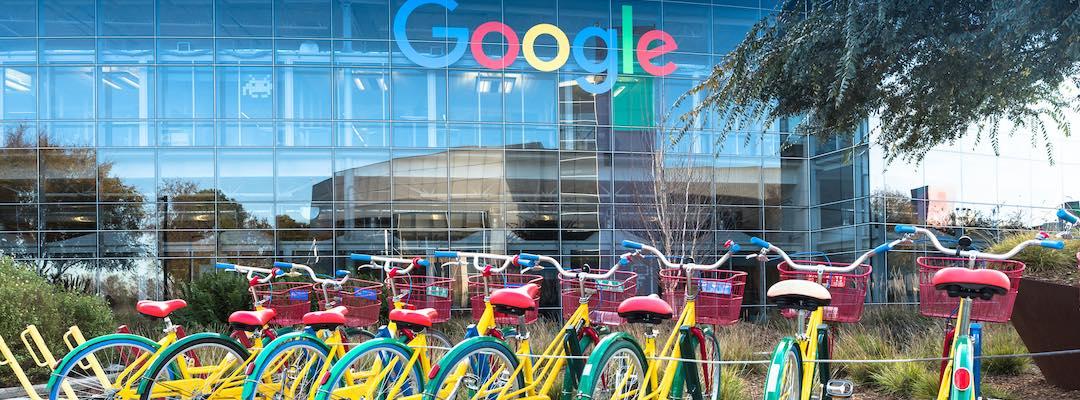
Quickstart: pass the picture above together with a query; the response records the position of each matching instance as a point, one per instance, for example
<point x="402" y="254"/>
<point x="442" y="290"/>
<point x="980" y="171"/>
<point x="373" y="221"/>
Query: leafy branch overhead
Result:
<point x="932" y="71"/>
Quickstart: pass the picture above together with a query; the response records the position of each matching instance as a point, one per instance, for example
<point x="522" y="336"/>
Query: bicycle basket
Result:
<point x="360" y="297"/>
<point x="848" y="290"/>
<point x="424" y="291"/>
<point x="937" y="303"/>
<point x="604" y="296"/>
<point x="719" y="294"/>
<point x="289" y="300"/>
<point x="501" y="281"/>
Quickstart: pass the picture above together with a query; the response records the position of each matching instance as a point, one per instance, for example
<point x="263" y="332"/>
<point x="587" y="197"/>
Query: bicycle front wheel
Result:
<point x="784" y="379"/>
<point x="377" y="370"/>
<point x="480" y="368"/>
<point x="287" y="369"/>
<point x="104" y="367"/>
<point x="616" y="370"/>
<point x="196" y="367"/>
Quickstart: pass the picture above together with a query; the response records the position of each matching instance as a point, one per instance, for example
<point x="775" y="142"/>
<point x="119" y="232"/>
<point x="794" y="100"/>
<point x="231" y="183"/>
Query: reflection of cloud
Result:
<point x="940" y="205"/>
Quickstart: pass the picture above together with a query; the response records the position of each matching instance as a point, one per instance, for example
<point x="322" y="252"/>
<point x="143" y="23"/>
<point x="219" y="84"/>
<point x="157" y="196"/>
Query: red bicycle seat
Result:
<point x="522" y="297"/>
<point x="971" y="281"/>
<point x="421" y="317"/>
<point x="252" y="318"/>
<point x="333" y="316"/>
<point x="648" y="309"/>
<point x="159" y="309"/>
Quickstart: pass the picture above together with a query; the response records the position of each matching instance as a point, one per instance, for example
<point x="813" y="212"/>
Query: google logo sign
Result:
<point x="645" y="51"/>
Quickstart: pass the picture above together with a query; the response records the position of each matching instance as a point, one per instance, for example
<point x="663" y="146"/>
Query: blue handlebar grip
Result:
<point x="446" y="254"/>
<point x="527" y="256"/>
<point x="1066" y="216"/>
<point x="423" y="262"/>
<point x="1052" y="244"/>
<point x="760" y="243"/>
<point x="734" y="248"/>
<point x="360" y="257"/>
<point x="341" y="273"/>
<point x="904" y="229"/>
<point x="224" y="266"/>
<point x="282" y="264"/>
<point x="883" y="248"/>
<point x="630" y="244"/>
<point x="526" y="263"/>
<point x="624" y="261"/>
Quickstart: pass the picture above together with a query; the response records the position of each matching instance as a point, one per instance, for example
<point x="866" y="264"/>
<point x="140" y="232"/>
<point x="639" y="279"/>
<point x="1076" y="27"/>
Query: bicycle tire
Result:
<point x="478" y="348"/>
<point x="373" y="348"/>
<point x="439" y="344"/>
<point x="785" y="372"/>
<point x="612" y="346"/>
<point x="187" y="345"/>
<point x="277" y="347"/>
<point x="64" y="368"/>
<point x="715" y="373"/>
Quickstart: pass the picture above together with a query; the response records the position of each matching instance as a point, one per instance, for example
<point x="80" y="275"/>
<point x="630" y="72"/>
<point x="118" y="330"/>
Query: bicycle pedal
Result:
<point x="839" y="388"/>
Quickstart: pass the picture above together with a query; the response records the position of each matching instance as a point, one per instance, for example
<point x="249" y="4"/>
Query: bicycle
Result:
<point x="620" y="368"/>
<point x="486" y="367"/>
<point x="289" y="366"/>
<point x="111" y="366"/>
<point x="959" y="377"/>
<point x="394" y="363"/>
<point x="795" y="362"/>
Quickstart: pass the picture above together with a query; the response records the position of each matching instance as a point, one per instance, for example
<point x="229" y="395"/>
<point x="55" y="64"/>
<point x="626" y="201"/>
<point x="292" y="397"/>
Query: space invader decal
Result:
<point x="257" y="88"/>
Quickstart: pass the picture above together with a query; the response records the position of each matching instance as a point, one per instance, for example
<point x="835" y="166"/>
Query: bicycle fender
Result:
<point x="94" y="342"/>
<point x="772" y="380"/>
<point x="145" y="382"/>
<point x="343" y="364"/>
<point x="963" y="357"/>
<point x="596" y="356"/>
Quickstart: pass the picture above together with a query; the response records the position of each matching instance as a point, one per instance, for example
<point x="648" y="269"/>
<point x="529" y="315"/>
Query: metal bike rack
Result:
<point x="42" y="356"/>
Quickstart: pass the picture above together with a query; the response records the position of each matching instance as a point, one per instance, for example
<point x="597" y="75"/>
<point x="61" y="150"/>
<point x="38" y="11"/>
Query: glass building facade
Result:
<point x="144" y="140"/>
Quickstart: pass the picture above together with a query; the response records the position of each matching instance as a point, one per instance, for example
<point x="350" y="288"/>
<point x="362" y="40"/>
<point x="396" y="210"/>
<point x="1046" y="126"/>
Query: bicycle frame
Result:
<point x="195" y="378"/>
<point x="811" y="341"/>
<point x="961" y="356"/>
<point x="674" y="373"/>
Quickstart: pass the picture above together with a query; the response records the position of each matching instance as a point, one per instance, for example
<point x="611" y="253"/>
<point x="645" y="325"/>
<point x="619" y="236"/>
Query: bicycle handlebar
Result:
<point x="767" y="247"/>
<point x="372" y="260"/>
<point x="912" y="231"/>
<point x="311" y="273"/>
<point x="639" y="247"/>
<point x="1067" y="216"/>
<point x="268" y="274"/>
<point x="506" y="260"/>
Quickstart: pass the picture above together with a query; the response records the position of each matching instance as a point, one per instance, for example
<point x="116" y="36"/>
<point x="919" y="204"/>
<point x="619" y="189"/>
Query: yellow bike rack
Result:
<point x="40" y="353"/>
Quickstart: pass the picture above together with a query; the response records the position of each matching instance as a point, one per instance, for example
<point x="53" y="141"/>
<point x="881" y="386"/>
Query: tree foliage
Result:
<point x="931" y="70"/>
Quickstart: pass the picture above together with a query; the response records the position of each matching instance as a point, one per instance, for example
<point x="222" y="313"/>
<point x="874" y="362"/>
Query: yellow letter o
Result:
<point x="562" y="52"/>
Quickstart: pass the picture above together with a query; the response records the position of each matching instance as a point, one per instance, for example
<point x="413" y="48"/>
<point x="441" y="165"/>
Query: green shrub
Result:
<point x="732" y="383"/>
<point x="1056" y="265"/>
<point x="901" y="379"/>
<point x="860" y="343"/>
<point x="27" y="299"/>
<point x="994" y="392"/>
<point x="999" y="339"/>
<point x="211" y="297"/>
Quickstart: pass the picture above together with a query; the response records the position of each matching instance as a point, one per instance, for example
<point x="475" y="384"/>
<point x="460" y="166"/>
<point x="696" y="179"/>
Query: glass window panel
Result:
<point x="127" y="18"/>
<point x="245" y="51"/>
<point x="18" y="51"/>
<point x="531" y="97"/>
<point x="305" y="215"/>
<point x="488" y="135"/>
<point x="786" y="182"/>
<point x="362" y="175"/>
<point x="585" y="216"/>
<point x="126" y="50"/>
<point x="67" y="51"/>
<point x="476" y="175"/>
<point x="738" y="180"/>
<point x="476" y="216"/>
<point x="532" y="137"/>
<point x="19" y="244"/>
<point x="123" y="134"/>
<point x="730" y="25"/>
<point x="67" y="18"/>
<point x="245" y="92"/>
<point x="300" y="171"/>
<point x="244" y="17"/>
<point x="688" y="24"/>
<point x="476" y="96"/>
<point x="353" y="216"/>
<point x="532" y="176"/>
<point x="193" y="133"/>
<point x="18" y="100"/>
<point x="738" y="218"/>
<point x="833" y="178"/>
<point x="18" y="176"/>
<point x="69" y="175"/>
<point x="186" y="174"/>
<point x="631" y="183"/>
<point x="532" y="216"/>
<point x="185" y="17"/>
<point x="374" y="53"/>
<point x="363" y="134"/>
<point x="185" y="51"/>
<point x="70" y="217"/>
<point x="575" y="16"/>
<point x="67" y="134"/>
<point x="523" y="13"/>
<point x="578" y="137"/>
<point x="127" y="175"/>
<point x="18" y="218"/>
<point x="303" y="51"/>
<point x="363" y="94"/>
<point x="303" y="93"/>
<point x="419" y="216"/>
<point x="419" y="175"/>
<point x="579" y="177"/>
<point x="18" y="18"/>
<point x="304" y="134"/>
<point x="419" y="95"/>
<point x="361" y="19"/>
<point x="361" y="241"/>
<point x="247" y="215"/>
<point x="418" y="134"/>
<point x="246" y="175"/>
<point x="246" y="243"/>
<point x="67" y="92"/>
<point x="303" y="18"/>
<point x="124" y="92"/>
<point x="186" y="92"/>
<point x="246" y="133"/>
<point x="126" y="244"/>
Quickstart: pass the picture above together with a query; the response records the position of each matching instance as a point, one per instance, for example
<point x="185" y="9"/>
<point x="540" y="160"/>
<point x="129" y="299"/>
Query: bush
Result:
<point x="999" y="339"/>
<point x="904" y="379"/>
<point x="860" y="343"/>
<point x="211" y="297"/>
<point x="1054" y="265"/>
<point x="28" y="299"/>
<point x="732" y="384"/>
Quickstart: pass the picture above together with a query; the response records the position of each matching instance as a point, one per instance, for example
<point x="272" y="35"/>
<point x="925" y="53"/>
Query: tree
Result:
<point x="677" y="212"/>
<point x="929" y="70"/>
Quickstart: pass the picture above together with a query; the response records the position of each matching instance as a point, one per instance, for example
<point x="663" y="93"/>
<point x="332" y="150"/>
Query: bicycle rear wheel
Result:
<point x="480" y="368"/>
<point x="616" y="371"/>
<point x="784" y="379"/>
<point x="104" y="367"/>
<point x="287" y="369"/>
<point x="200" y="357"/>
<point x="376" y="370"/>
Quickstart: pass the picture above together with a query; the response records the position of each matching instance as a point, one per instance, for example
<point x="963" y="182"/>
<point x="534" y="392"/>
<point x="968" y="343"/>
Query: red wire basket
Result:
<point x="360" y="297"/>
<point x="937" y="303"/>
<point x="424" y="291"/>
<point x="501" y="281"/>
<point x="719" y="294"/>
<point x="848" y="290"/>
<point x="289" y="300"/>
<point x="605" y="299"/>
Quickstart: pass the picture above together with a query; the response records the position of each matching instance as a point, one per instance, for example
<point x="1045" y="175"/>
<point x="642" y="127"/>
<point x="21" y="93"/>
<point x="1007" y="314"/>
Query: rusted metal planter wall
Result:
<point x="1047" y="317"/>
